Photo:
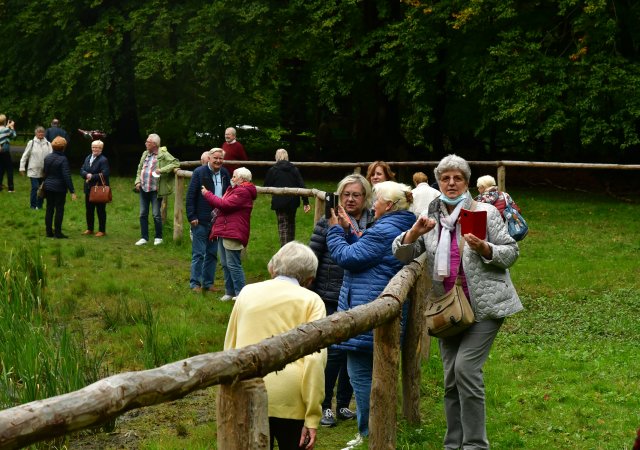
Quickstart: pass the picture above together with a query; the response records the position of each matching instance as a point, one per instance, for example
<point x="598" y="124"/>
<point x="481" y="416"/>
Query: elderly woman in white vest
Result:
<point x="486" y="282"/>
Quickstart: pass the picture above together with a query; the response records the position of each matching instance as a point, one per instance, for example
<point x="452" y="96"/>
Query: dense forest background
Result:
<point x="333" y="80"/>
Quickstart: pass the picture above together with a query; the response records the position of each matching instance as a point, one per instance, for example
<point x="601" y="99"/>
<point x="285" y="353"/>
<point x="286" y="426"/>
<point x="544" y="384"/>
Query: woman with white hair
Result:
<point x="368" y="266"/>
<point x="95" y="171"/>
<point x="284" y="174"/>
<point x="36" y="150"/>
<point x="482" y="265"/>
<point x="231" y="218"/>
<point x="489" y="193"/>
<point x="273" y="307"/>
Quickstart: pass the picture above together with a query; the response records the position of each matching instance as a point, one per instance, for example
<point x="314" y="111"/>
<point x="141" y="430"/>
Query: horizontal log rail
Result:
<point x="111" y="397"/>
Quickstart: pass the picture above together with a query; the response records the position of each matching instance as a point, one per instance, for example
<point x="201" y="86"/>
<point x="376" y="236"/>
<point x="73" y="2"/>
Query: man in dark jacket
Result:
<point x="204" y="251"/>
<point x="285" y="174"/>
<point x="54" y="131"/>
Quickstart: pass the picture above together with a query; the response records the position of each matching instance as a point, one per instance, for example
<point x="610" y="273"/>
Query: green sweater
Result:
<point x="166" y="165"/>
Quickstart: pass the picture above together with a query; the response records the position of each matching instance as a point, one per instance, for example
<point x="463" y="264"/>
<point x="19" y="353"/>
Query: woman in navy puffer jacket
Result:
<point x="369" y="265"/>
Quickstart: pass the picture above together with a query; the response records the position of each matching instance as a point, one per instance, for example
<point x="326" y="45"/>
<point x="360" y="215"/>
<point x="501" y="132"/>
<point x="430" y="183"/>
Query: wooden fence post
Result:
<point x="411" y="351"/>
<point x="384" y="394"/>
<point x="178" y="208"/>
<point x="242" y="415"/>
<point x="318" y="212"/>
<point x="502" y="176"/>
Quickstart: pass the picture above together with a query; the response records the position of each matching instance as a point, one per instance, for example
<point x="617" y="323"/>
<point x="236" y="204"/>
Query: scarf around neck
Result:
<point x="442" y="264"/>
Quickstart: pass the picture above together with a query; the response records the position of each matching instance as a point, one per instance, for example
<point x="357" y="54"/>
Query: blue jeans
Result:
<point x="156" y="202"/>
<point x="204" y="257"/>
<point x="232" y="269"/>
<point x="463" y="357"/>
<point x="336" y="370"/>
<point x="360" y="365"/>
<point x="34" y="201"/>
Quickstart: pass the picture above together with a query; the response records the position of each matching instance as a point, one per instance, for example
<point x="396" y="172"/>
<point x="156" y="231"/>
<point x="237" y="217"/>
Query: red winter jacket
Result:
<point x="234" y="212"/>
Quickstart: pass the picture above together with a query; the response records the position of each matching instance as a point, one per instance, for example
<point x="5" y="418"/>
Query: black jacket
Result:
<point x="100" y="166"/>
<point x="57" y="173"/>
<point x="197" y="206"/>
<point x="285" y="174"/>
<point x="329" y="275"/>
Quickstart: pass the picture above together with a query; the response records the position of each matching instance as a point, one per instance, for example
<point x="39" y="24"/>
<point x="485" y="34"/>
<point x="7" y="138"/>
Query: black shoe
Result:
<point x="346" y="414"/>
<point x="49" y="235"/>
<point x="328" y="420"/>
<point x="61" y="236"/>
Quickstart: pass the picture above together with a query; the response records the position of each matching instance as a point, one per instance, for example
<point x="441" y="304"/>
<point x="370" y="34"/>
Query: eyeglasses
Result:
<point x="456" y="179"/>
<point x="353" y="195"/>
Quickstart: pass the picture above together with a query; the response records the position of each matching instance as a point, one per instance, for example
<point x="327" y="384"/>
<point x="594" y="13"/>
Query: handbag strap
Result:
<point x="102" y="179"/>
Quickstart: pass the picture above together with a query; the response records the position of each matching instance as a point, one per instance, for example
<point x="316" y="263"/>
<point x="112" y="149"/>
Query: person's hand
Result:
<point x="307" y="438"/>
<point x="204" y="190"/>
<point x="306" y="208"/>
<point x="333" y="220"/>
<point x="137" y="187"/>
<point x="343" y="218"/>
<point x="478" y="245"/>
<point x="22" y="173"/>
<point x="88" y="177"/>
<point x="74" y="197"/>
<point x="421" y="226"/>
<point x="11" y="124"/>
<point x="194" y="223"/>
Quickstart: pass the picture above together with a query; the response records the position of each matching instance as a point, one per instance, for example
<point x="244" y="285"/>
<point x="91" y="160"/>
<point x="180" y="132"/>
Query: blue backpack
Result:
<point x="516" y="225"/>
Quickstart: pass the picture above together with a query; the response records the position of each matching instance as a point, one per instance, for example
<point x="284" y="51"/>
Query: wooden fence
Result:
<point x="242" y="396"/>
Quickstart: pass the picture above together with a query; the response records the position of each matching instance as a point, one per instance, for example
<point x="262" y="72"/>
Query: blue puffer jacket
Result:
<point x="369" y="265"/>
<point x="197" y="206"/>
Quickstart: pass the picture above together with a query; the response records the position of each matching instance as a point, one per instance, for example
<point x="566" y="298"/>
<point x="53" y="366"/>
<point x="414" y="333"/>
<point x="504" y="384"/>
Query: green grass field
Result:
<point x="563" y="374"/>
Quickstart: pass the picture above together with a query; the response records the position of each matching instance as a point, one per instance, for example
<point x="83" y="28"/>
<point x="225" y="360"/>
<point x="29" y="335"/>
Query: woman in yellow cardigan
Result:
<point x="273" y="307"/>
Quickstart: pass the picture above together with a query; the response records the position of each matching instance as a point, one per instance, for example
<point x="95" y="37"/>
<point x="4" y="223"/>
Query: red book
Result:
<point x="474" y="222"/>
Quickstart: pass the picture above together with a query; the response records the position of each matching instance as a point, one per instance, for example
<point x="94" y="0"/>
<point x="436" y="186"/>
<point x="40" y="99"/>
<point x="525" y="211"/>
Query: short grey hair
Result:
<point x="243" y="173"/>
<point x="453" y="162"/>
<point x="294" y="260"/>
<point x="282" y="155"/>
<point x="155" y="138"/>
<point x="39" y="128"/>
<point x="356" y="178"/>
<point x="486" y="181"/>
<point x="216" y="150"/>
<point x="98" y="142"/>
<point x="397" y="193"/>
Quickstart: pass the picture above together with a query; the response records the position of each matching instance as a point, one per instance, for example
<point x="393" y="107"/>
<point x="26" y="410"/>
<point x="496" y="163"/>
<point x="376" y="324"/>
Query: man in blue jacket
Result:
<point x="204" y="252"/>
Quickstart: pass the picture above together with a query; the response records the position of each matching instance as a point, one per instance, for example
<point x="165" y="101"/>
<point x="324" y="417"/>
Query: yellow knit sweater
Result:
<point x="270" y="308"/>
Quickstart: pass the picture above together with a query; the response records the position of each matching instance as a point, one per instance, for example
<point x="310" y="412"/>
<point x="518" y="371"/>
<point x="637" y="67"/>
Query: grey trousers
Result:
<point x="463" y="357"/>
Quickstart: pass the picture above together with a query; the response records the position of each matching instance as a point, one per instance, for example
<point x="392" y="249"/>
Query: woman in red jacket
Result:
<point x="231" y="218"/>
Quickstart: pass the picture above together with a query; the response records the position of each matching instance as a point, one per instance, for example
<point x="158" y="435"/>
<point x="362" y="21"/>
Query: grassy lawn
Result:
<point x="563" y="374"/>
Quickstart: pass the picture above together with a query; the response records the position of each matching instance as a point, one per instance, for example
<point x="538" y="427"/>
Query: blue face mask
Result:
<point x="453" y="201"/>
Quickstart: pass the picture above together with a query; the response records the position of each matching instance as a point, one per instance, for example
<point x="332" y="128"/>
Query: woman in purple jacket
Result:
<point x="231" y="217"/>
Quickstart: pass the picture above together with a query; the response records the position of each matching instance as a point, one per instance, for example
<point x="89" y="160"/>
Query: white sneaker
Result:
<point x="142" y="241"/>
<point x="157" y="241"/>
<point x="354" y="442"/>
<point x="234" y="298"/>
<point x="226" y="298"/>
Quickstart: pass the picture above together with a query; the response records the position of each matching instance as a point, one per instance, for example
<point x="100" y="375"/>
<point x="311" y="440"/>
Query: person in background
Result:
<point x="423" y="194"/>
<point x="272" y="307"/>
<point x="490" y="194"/>
<point x="485" y="276"/>
<point x="204" y="158"/>
<point x="56" y="184"/>
<point x="33" y="156"/>
<point x="204" y="251"/>
<point x="379" y="171"/>
<point x="354" y="194"/>
<point x="7" y="133"/>
<point x="154" y="181"/>
<point x="54" y="131"/>
<point x="284" y="174"/>
<point x="233" y="149"/>
<point x="232" y="227"/>
<point x="368" y="266"/>
<point x="95" y="165"/>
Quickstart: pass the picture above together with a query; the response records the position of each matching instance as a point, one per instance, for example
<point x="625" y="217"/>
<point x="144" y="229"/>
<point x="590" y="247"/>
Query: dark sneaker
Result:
<point x="328" y="420"/>
<point x="346" y="414"/>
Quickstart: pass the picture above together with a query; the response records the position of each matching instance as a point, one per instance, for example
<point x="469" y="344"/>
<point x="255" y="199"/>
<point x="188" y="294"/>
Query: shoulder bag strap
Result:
<point x="102" y="179"/>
